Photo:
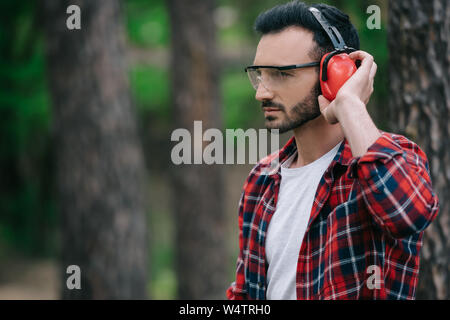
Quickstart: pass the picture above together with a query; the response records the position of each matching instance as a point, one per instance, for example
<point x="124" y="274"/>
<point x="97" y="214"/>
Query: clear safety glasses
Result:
<point x="273" y="76"/>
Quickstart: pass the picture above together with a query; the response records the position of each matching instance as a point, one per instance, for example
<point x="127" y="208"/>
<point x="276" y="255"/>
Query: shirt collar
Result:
<point x="272" y="164"/>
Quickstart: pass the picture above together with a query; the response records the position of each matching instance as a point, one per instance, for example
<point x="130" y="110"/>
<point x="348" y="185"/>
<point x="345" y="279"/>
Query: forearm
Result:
<point x="358" y="127"/>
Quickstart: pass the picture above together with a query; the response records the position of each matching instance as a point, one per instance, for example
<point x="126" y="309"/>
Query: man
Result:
<point x="342" y="213"/>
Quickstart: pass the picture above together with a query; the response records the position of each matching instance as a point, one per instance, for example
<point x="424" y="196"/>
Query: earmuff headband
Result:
<point x="335" y="37"/>
<point x="332" y="32"/>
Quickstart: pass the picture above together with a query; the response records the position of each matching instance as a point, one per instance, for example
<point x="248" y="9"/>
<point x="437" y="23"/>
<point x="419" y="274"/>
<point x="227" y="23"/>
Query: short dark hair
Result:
<point x="296" y="13"/>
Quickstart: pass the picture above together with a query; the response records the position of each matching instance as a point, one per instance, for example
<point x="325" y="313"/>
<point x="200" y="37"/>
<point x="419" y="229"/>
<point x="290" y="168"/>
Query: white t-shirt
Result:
<point x="288" y="225"/>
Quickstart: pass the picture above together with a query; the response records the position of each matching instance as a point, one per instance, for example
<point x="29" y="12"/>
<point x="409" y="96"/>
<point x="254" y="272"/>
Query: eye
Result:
<point x="278" y="74"/>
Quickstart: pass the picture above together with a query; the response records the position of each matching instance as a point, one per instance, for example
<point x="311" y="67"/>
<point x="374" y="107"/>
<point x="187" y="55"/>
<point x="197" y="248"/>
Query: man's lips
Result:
<point x="268" y="109"/>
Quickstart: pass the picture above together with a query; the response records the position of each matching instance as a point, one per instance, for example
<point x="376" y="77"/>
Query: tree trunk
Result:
<point x="100" y="169"/>
<point x="419" y="46"/>
<point x="198" y="189"/>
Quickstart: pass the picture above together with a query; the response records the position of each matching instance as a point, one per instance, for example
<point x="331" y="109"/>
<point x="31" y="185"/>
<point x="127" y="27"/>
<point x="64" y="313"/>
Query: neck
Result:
<point x="314" y="139"/>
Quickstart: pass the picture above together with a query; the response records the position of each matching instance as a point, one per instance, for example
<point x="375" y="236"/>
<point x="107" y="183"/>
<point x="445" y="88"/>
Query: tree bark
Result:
<point x="419" y="46"/>
<point x="198" y="189"/>
<point x="100" y="168"/>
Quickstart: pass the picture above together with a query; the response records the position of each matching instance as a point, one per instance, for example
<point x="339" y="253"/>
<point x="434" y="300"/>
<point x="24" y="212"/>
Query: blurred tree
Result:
<point x="100" y="168"/>
<point x="198" y="189"/>
<point x="419" y="39"/>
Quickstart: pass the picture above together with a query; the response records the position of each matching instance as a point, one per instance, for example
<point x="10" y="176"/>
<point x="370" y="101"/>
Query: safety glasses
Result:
<point x="273" y="76"/>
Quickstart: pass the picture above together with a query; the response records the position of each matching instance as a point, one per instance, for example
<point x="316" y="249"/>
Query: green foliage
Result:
<point x="150" y="88"/>
<point x="27" y="217"/>
<point x="163" y="279"/>
<point x="147" y="23"/>
<point x="240" y="107"/>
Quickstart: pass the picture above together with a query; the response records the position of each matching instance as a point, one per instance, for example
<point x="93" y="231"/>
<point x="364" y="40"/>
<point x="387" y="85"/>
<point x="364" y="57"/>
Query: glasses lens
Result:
<point x="255" y="77"/>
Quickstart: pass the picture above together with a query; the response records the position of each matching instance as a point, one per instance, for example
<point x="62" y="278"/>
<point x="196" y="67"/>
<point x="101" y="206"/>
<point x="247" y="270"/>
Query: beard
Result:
<point x="304" y="111"/>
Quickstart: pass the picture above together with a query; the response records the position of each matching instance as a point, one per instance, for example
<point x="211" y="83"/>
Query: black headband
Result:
<point x="335" y="37"/>
<point x="332" y="32"/>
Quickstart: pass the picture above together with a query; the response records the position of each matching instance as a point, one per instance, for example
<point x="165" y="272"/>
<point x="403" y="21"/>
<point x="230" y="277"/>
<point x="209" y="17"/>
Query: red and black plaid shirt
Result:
<point x="368" y="215"/>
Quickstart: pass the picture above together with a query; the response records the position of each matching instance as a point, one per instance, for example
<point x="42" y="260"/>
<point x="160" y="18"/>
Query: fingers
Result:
<point x="326" y="110"/>
<point x="323" y="102"/>
<point x="366" y="59"/>
<point x="359" y="55"/>
<point x="373" y="70"/>
<point x="361" y="83"/>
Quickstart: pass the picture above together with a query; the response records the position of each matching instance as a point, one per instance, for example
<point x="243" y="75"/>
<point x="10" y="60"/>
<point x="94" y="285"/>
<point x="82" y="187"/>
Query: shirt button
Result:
<point x="259" y="284"/>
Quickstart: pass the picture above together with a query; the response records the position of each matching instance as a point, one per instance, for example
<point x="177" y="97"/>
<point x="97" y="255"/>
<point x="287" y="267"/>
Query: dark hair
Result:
<point x="296" y="13"/>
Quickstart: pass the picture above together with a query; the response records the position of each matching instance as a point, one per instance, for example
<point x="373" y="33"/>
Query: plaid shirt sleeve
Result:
<point x="396" y="185"/>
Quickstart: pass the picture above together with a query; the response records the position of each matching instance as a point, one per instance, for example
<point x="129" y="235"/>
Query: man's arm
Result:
<point x="349" y="107"/>
<point x="393" y="175"/>
<point x="396" y="186"/>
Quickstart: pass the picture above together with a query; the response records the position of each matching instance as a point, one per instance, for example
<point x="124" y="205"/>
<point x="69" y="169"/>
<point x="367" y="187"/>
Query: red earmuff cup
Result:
<point x="339" y="69"/>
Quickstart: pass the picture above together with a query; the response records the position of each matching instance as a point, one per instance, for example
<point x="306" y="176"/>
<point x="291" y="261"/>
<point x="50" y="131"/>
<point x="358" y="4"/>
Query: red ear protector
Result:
<point x="336" y="66"/>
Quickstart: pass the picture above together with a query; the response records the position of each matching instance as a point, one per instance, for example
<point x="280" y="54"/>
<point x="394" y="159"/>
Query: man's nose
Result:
<point x="262" y="93"/>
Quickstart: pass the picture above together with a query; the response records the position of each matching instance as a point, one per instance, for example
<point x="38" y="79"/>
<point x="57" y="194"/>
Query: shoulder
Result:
<point x="262" y="171"/>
